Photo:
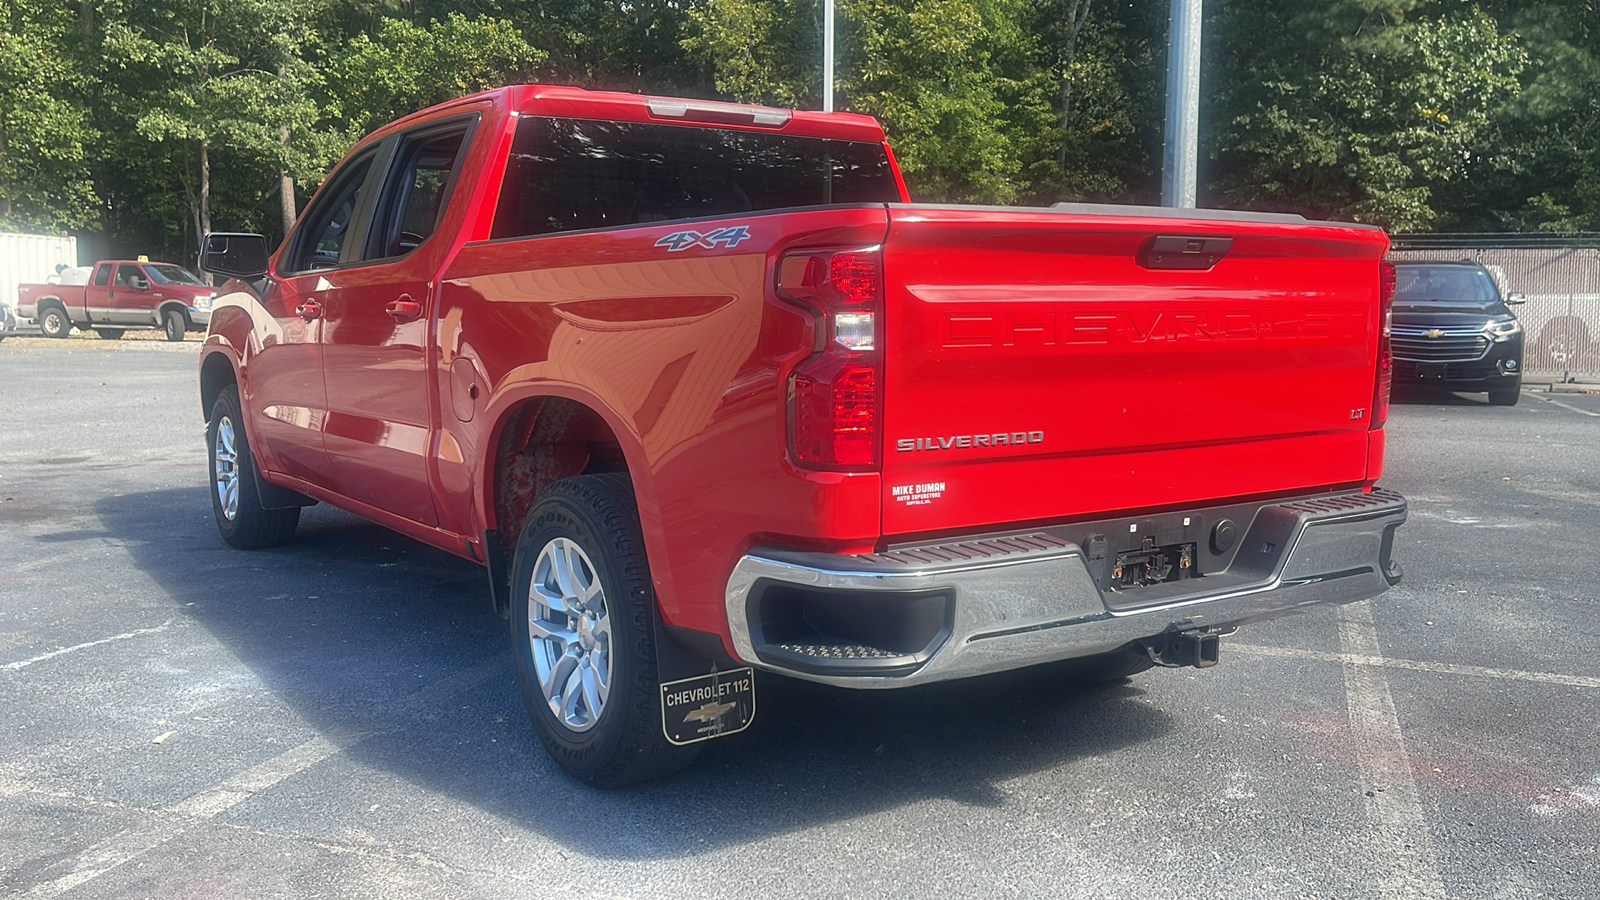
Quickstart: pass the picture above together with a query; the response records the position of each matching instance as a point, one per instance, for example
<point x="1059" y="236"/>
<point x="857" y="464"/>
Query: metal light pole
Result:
<point x="1179" y="160"/>
<point x="827" y="55"/>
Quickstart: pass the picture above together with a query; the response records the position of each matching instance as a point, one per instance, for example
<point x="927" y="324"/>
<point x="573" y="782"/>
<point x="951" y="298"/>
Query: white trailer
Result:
<point x="32" y="259"/>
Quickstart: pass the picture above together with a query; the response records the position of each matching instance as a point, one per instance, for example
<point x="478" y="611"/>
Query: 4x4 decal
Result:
<point x="684" y="240"/>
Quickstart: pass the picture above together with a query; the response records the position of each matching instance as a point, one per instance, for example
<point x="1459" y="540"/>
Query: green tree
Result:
<point x="949" y="79"/>
<point x="404" y="67"/>
<point x="945" y="76"/>
<point x="194" y="82"/>
<point x="1547" y="171"/>
<point x="1356" y="110"/>
<point x="761" y="52"/>
<point x="45" y="182"/>
<point x="1101" y="90"/>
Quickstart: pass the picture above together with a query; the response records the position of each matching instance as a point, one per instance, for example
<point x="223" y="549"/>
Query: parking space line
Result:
<point x="241" y="787"/>
<point x="1401" y="846"/>
<point x="24" y="663"/>
<point x="44" y="562"/>
<point x="1581" y="412"/>
<point x="132" y="843"/>
<point x="1417" y="665"/>
<point x="110" y="853"/>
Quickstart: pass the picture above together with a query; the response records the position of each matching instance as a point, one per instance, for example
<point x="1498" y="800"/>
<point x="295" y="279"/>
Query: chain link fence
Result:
<point x="1560" y="274"/>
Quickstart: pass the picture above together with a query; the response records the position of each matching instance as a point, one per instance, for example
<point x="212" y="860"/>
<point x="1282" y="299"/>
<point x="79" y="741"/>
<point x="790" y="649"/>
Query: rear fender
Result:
<point x="500" y="411"/>
<point x="28" y="307"/>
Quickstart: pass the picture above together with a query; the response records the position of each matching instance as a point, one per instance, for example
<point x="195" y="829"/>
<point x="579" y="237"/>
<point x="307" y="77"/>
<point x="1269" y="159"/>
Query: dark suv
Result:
<point x="1452" y="329"/>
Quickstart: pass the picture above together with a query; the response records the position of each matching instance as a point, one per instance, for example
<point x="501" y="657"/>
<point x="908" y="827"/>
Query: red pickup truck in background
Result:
<point x="121" y="294"/>
<point x="705" y="393"/>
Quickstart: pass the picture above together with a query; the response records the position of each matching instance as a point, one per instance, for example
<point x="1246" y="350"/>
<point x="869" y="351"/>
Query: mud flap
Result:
<point x="704" y="695"/>
<point x="272" y="496"/>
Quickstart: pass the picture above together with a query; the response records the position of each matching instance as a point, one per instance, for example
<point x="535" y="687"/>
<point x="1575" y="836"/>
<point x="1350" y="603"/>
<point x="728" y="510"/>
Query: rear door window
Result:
<point x="102" y="274"/>
<point x="579" y="174"/>
<point x="417" y="190"/>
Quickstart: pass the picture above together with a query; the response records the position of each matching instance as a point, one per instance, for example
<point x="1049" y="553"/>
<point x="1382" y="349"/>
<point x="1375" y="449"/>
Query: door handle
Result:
<point x="309" y="310"/>
<point x="404" y="309"/>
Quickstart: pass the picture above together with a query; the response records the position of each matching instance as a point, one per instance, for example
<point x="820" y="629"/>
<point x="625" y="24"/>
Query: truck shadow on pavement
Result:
<point x="1428" y="395"/>
<point x="350" y="621"/>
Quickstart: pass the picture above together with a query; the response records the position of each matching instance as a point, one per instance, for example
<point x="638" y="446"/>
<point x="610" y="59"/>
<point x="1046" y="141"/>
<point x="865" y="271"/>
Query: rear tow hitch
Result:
<point x="1175" y="649"/>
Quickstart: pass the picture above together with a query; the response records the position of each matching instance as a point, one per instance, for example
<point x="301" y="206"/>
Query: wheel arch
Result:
<point x="179" y="305"/>
<point x="217" y="371"/>
<point x="541" y="434"/>
<point x="43" y="304"/>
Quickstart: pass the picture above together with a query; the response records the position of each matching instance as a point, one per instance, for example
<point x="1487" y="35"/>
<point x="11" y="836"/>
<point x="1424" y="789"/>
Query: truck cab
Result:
<point x="120" y="295"/>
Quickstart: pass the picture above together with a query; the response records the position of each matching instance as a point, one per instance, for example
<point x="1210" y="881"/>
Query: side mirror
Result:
<point x="1516" y="299"/>
<point x="239" y="255"/>
<point x="141" y="283"/>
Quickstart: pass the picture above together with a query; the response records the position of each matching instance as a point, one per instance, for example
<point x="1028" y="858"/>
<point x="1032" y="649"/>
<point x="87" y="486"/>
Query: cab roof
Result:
<point x="581" y="103"/>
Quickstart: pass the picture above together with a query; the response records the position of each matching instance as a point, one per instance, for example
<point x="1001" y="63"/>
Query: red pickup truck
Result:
<point x="706" y="394"/>
<point x="121" y="294"/>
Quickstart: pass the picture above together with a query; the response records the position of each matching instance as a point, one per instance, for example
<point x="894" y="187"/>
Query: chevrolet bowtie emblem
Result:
<point x="711" y="712"/>
<point x="1433" y="332"/>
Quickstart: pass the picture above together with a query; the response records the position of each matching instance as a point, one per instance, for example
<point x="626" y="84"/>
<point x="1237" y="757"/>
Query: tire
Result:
<point x="241" y="519"/>
<point x="600" y="717"/>
<point x="54" y="323"/>
<point x="175" y="323"/>
<point x="110" y="334"/>
<point x="1506" y="396"/>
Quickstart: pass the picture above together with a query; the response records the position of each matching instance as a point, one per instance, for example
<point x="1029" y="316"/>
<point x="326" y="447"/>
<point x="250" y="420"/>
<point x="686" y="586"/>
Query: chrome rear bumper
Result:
<point x="1025" y="598"/>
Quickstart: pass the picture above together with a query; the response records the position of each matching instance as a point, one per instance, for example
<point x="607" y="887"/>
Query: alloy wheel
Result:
<point x="226" y="454"/>
<point x="569" y="632"/>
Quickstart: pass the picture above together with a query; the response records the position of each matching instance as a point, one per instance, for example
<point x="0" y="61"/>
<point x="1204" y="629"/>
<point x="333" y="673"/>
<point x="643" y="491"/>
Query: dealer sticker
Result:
<point x="708" y="706"/>
<point x="917" y="494"/>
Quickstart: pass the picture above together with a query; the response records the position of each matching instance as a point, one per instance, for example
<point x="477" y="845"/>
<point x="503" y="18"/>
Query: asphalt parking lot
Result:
<point x="337" y="718"/>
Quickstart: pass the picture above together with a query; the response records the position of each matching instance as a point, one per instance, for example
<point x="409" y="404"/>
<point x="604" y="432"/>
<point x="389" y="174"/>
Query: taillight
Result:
<point x="834" y="408"/>
<point x="1380" y="394"/>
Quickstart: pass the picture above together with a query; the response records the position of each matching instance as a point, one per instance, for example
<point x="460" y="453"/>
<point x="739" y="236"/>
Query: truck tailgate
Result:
<point x="1044" y="364"/>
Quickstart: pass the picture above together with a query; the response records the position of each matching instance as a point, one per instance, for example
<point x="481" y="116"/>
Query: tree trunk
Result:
<point x="285" y="180"/>
<point x="286" y="184"/>
<point x="97" y="163"/>
<point x="5" y="183"/>
<point x="1077" y="17"/>
<point x="205" y="188"/>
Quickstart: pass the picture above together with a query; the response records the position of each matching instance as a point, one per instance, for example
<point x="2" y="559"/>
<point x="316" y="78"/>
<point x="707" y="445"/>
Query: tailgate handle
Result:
<point x="1178" y="251"/>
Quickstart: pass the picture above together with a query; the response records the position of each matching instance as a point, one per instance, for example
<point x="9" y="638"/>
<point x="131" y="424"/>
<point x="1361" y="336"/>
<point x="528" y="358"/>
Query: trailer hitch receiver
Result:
<point x="1176" y="649"/>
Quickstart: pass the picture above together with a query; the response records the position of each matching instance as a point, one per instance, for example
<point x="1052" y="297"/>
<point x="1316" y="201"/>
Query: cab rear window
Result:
<point x="580" y="174"/>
